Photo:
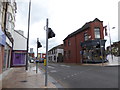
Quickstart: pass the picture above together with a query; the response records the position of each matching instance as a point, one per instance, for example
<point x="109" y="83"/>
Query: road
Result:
<point x="77" y="76"/>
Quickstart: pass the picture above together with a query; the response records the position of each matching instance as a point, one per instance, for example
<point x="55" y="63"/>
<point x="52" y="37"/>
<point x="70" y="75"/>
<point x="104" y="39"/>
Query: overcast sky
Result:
<point x="65" y="17"/>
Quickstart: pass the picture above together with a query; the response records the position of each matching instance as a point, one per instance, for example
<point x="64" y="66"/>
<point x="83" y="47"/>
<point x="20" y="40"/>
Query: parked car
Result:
<point x="41" y="60"/>
<point x="31" y="61"/>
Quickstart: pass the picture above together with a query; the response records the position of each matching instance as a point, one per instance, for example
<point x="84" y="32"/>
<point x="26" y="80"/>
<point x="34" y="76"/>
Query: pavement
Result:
<point x="20" y="78"/>
<point x="115" y="61"/>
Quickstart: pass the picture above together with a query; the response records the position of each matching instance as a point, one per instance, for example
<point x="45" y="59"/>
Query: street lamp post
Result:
<point x="28" y="35"/>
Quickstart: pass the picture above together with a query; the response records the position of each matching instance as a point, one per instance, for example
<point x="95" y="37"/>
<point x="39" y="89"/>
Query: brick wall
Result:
<point x="1" y="57"/>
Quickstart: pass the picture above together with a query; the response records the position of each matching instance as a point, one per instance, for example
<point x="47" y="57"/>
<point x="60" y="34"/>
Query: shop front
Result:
<point x="18" y="58"/>
<point x="93" y="51"/>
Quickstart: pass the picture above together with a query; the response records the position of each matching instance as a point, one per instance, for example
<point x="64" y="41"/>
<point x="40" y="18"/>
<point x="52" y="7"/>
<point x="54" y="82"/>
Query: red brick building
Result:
<point x="83" y="45"/>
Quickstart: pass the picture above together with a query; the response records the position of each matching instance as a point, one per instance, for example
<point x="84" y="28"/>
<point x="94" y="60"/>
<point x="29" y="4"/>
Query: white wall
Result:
<point x="56" y="54"/>
<point x="60" y="51"/>
<point x="20" y="43"/>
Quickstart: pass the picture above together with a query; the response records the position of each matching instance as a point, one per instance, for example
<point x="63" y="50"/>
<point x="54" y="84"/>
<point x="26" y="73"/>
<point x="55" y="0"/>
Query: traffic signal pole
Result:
<point x="37" y="56"/>
<point x="46" y="67"/>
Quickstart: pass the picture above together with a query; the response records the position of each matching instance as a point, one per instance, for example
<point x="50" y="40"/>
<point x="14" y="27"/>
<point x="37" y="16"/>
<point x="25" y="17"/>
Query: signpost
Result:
<point x="49" y="34"/>
<point x="46" y="52"/>
<point x="37" y="61"/>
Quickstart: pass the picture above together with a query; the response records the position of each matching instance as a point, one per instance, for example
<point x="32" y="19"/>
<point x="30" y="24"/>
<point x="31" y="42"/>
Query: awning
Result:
<point x="93" y="43"/>
<point x="2" y="37"/>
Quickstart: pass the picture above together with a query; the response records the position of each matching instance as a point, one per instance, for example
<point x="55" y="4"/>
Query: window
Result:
<point x="69" y="43"/>
<point x="69" y="53"/>
<point x="64" y="54"/>
<point x="85" y="36"/>
<point x="54" y="57"/>
<point x="64" y="43"/>
<point x="97" y="32"/>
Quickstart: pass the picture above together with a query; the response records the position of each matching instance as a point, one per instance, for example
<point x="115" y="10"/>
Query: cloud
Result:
<point x="65" y="17"/>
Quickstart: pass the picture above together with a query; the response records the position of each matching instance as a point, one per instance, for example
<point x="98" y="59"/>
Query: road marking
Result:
<point x="64" y="65"/>
<point x="68" y="76"/>
<point x="64" y="78"/>
<point x="53" y="71"/>
<point x="51" y="67"/>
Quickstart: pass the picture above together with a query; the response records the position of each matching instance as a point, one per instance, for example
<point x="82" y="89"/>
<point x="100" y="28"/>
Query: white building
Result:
<point x="19" y="49"/>
<point x="20" y="41"/>
<point x="56" y="54"/>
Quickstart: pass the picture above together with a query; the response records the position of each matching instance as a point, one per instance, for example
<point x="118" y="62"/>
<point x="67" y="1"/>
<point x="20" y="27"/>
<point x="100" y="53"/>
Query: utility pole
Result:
<point x="46" y="67"/>
<point x="101" y="51"/>
<point x="28" y="35"/>
<point x="37" y="56"/>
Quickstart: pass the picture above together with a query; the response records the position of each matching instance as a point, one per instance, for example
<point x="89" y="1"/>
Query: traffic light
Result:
<point x="39" y="44"/>
<point x="50" y="33"/>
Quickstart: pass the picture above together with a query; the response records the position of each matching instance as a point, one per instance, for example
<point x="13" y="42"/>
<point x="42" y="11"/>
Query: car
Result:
<point x="41" y="60"/>
<point x="31" y="61"/>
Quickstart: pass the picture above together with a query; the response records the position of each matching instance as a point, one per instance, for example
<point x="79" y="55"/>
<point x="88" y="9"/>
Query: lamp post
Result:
<point x="28" y="35"/>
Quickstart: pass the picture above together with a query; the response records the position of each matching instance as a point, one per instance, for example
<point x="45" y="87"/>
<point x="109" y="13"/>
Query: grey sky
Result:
<point x="65" y="17"/>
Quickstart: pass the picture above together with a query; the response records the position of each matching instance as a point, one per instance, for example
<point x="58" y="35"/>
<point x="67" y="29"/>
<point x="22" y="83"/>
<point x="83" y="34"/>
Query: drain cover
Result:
<point x="24" y="81"/>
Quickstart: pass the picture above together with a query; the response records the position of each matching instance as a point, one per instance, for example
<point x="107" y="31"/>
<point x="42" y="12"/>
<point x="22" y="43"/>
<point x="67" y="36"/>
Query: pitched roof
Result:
<point x="85" y="26"/>
<point x="57" y="47"/>
<point x="20" y="34"/>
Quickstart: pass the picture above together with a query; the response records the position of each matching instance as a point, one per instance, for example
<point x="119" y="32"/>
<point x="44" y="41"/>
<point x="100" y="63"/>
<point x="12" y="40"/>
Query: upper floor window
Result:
<point x="85" y="36"/>
<point x="97" y="32"/>
<point x="69" y="43"/>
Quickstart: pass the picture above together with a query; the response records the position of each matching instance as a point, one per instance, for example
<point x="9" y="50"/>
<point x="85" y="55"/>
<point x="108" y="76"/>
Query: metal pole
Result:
<point x="28" y="35"/>
<point x="101" y="52"/>
<point x="110" y="42"/>
<point x="37" y="56"/>
<point x="46" y="52"/>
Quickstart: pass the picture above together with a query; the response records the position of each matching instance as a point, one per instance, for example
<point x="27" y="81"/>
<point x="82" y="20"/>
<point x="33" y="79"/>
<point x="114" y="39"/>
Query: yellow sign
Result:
<point x="44" y="62"/>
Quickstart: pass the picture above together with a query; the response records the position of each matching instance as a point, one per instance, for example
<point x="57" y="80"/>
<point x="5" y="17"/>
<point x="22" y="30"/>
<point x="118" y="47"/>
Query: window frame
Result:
<point x="96" y="32"/>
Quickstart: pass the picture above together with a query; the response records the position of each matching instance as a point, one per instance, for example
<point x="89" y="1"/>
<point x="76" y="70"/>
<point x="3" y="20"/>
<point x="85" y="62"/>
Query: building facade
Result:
<point x="7" y="23"/>
<point x="115" y="48"/>
<point x="56" y="54"/>
<point x="19" y="49"/>
<point x="84" y="44"/>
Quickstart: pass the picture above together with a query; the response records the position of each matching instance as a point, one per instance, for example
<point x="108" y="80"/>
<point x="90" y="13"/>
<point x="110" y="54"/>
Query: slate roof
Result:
<point x="59" y="47"/>
<point x="85" y="26"/>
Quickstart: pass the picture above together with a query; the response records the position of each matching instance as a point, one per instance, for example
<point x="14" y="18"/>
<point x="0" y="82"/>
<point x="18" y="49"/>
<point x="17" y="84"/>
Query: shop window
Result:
<point x="97" y="32"/>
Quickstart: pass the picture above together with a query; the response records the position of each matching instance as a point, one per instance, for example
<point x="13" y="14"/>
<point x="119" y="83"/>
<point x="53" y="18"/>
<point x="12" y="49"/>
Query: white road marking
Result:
<point x="68" y="76"/>
<point x="72" y="75"/>
<point x="64" y="65"/>
<point x="53" y="71"/>
<point x="51" y="67"/>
